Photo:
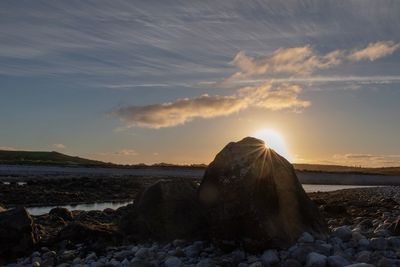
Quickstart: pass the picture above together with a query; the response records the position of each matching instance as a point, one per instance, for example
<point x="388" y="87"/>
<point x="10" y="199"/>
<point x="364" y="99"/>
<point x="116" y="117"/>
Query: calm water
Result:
<point x="116" y="205"/>
<point x="85" y="207"/>
<point x="330" y="187"/>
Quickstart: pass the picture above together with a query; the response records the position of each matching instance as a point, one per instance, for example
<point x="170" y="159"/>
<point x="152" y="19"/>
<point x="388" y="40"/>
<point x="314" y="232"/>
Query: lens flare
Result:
<point x="274" y="140"/>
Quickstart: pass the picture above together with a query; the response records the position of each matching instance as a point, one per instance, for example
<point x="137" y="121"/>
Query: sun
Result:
<point x="274" y="140"/>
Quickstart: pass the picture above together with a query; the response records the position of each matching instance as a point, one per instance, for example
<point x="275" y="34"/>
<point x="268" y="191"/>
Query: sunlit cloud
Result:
<point x="59" y="146"/>
<point x="267" y="95"/>
<point x="180" y="111"/>
<point x="126" y="152"/>
<point x="302" y="61"/>
<point x="274" y="97"/>
<point x="297" y="60"/>
<point x="374" y="51"/>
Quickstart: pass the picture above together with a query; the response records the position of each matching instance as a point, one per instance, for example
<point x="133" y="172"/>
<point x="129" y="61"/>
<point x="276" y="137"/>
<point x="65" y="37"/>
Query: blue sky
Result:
<point x="173" y="81"/>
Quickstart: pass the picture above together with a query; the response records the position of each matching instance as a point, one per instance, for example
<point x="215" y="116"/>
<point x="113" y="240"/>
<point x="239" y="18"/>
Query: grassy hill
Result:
<point x="45" y="158"/>
<point x="347" y="169"/>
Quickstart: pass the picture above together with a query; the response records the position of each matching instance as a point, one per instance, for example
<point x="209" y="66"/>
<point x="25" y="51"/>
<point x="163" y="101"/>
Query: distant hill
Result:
<point x="56" y="158"/>
<point x="45" y="158"/>
<point x="346" y="169"/>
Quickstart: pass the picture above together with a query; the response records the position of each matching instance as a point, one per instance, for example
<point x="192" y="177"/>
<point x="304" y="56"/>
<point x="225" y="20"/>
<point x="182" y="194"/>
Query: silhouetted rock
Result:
<point x="62" y="213"/>
<point x="166" y="210"/>
<point x="249" y="192"/>
<point x="17" y="233"/>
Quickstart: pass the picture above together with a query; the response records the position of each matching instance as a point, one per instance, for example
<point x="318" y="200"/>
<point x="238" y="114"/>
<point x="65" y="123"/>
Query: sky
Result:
<point x="175" y="81"/>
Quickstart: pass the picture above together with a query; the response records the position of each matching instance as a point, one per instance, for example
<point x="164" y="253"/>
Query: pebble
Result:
<point x="269" y="257"/>
<point x="337" y="261"/>
<point x="343" y="232"/>
<point x="173" y="262"/>
<point x="378" y="243"/>
<point x="316" y="260"/>
<point x="306" y="238"/>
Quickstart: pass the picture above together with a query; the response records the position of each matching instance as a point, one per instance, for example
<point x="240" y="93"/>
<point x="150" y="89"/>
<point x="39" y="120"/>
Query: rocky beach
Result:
<point x="363" y="227"/>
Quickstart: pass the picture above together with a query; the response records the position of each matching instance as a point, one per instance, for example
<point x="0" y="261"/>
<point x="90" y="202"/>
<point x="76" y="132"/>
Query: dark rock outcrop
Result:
<point x="166" y="210"/>
<point x="17" y="233"/>
<point x="62" y="213"/>
<point x="249" y="192"/>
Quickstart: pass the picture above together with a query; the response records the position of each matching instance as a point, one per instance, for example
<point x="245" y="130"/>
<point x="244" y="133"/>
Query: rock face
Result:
<point x="166" y="210"/>
<point x="251" y="192"/>
<point x="17" y="233"/>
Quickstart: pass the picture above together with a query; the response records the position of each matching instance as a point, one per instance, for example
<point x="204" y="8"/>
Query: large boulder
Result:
<point x="166" y="210"/>
<point x="250" y="192"/>
<point x="18" y="233"/>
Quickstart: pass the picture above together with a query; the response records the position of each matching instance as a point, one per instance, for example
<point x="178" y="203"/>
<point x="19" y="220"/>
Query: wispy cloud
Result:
<point x="374" y="51"/>
<point x="267" y="96"/>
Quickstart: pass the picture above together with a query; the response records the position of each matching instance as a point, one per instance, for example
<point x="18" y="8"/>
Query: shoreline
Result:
<point x="360" y="221"/>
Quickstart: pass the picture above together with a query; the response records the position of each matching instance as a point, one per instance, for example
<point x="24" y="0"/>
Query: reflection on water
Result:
<point x="330" y="187"/>
<point x="85" y="207"/>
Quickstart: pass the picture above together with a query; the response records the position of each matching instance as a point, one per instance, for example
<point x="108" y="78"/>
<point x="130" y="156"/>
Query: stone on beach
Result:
<point x="166" y="210"/>
<point x="251" y="192"/>
<point x="18" y="233"/>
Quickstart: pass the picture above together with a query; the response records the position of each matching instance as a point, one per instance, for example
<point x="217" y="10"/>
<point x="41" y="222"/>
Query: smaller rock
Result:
<point x="306" y="238"/>
<point x="343" y="232"/>
<point x="363" y="242"/>
<point x="337" y="261"/>
<point x="206" y="263"/>
<point x="316" y="260"/>
<point x="360" y="265"/>
<point x="142" y="253"/>
<point x="173" y="262"/>
<point x="269" y="257"/>
<point x="91" y="256"/>
<point x="291" y="263"/>
<point x="378" y="243"/>
<point x="363" y="256"/>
